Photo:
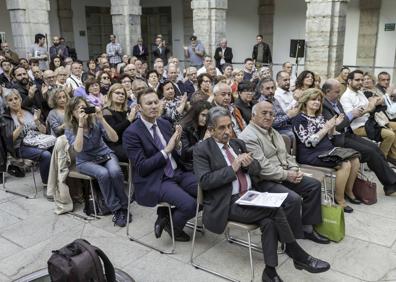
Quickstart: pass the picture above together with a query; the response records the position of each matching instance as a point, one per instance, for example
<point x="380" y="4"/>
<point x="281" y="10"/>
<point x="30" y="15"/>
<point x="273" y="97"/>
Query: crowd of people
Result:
<point x="209" y="124"/>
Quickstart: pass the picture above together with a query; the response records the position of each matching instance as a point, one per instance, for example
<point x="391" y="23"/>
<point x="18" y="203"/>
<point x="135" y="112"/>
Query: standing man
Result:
<point x="223" y="54"/>
<point x="224" y="169"/>
<point x="195" y="52"/>
<point x="261" y="52"/>
<point x="114" y="51"/>
<point x="383" y="81"/>
<point x="154" y="150"/>
<point x="39" y="52"/>
<point x="160" y="50"/>
<point x="58" y="49"/>
<point x="140" y="51"/>
<point x="9" y="54"/>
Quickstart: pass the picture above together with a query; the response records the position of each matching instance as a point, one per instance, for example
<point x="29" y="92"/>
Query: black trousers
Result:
<point x="374" y="158"/>
<point x="302" y="205"/>
<point x="273" y="224"/>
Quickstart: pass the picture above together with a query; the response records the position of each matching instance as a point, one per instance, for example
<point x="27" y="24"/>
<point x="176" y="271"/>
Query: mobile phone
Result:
<point x="90" y="110"/>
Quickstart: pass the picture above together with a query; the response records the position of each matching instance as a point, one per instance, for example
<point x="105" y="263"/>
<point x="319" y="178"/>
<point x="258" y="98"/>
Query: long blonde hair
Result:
<point x="109" y="103"/>
<point x="310" y="94"/>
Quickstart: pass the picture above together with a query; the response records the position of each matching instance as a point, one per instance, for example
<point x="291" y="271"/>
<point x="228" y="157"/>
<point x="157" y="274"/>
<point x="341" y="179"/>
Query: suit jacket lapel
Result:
<point x="217" y="154"/>
<point x="145" y="131"/>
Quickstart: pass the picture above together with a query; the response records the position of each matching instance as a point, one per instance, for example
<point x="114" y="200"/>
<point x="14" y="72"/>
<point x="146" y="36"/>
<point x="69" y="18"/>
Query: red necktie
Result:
<point x="243" y="184"/>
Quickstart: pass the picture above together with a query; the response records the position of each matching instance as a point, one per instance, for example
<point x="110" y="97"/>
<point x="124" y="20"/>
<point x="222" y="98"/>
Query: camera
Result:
<point x="90" y="110"/>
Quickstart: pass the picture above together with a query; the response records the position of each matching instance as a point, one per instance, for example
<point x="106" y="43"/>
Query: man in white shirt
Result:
<point x="358" y="108"/>
<point x="282" y="93"/>
<point x="207" y="62"/>
<point x="74" y="80"/>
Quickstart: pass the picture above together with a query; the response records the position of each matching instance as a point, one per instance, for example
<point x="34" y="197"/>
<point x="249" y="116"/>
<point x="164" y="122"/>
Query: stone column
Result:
<point x="65" y="14"/>
<point x="209" y="22"/>
<point x="368" y="32"/>
<point x="126" y="22"/>
<point x="187" y="22"/>
<point x="28" y="17"/>
<point x="266" y="10"/>
<point x="324" y="35"/>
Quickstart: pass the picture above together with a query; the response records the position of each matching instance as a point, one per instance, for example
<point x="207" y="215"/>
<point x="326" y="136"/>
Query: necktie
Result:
<point x="336" y="109"/>
<point x="243" y="184"/>
<point x="169" y="172"/>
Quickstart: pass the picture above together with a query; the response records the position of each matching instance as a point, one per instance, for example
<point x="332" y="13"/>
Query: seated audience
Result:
<point x="56" y="117"/>
<point x="55" y="63"/>
<point x="190" y="84"/>
<point x="126" y="82"/>
<point x="153" y="79"/>
<point x="359" y="109"/>
<point x="61" y="76"/>
<point x="91" y="72"/>
<point x="283" y="94"/>
<point x="153" y="149"/>
<point x="104" y="80"/>
<point x="85" y="133"/>
<point x="317" y="80"/>
<point x="222" y="98"/>
<point x="346" y="138"/>
<point x="384" y="79"/>
<point x="237" y="77"/>
<point x="21" y="124"/>
<point x="119" y="117"/>
<point x="173" y="107"/>
<point x="204" y="92"/>
<point x="224" y="169"/>
<point x="94" y="96"/>
<point x="268" y="148"/>
<point x="194" y="131"/>
<point x="313" y="139"/>
<point x="245" y="101"/>
<point x="343" y="78"/>
<point x="368" y="86"/>
<point x="305" y="80"/>
<point x="74" y="80"/>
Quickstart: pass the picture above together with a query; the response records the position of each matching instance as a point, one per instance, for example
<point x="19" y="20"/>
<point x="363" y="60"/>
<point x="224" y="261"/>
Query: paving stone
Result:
<point x="7" y="220"/>
<point x="19" y="207"/>
<point x="8" y="248"/>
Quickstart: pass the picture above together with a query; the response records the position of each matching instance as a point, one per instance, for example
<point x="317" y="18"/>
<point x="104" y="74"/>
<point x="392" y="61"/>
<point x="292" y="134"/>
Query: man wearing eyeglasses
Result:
<point x="280" y="174"/>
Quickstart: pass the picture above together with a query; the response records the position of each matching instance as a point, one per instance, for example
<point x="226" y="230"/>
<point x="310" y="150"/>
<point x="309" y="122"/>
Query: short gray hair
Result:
<point x="219" y="85"/>
<point x="8" y="92"/>
<point x="215" y="113"/>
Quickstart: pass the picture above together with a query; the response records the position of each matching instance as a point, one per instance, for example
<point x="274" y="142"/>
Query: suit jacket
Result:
<point x="215" y="178"/>
<point x="136" y="52"/>
<point x="188" y="87"/>
<point x="267" y="57"/>
<point x="147" y="160"/>
<point x="343" y="128"/>
<point x="227" y="56"/>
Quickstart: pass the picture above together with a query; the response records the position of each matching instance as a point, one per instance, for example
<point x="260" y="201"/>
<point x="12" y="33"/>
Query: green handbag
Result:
<point x="333" y="222"/>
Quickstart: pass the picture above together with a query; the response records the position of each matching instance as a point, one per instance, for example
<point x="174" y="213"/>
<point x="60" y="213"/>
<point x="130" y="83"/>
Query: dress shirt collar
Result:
<point x="148" y="124"/>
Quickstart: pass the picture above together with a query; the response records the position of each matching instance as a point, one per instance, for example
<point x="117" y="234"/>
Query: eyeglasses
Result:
<point x="119" y="92"/>
<point x="105" y="77"/>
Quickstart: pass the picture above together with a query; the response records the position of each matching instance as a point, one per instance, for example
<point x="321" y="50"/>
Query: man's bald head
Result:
<point x="331" y="89"/>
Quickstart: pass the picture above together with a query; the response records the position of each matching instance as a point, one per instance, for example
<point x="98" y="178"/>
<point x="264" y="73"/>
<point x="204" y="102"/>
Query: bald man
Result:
<point x="370" y="152"/>
<point x="281" y="174"/>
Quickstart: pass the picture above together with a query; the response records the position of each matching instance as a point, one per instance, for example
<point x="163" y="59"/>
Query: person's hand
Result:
<point x="357" y="112"/>
<point x="82" y="117"/>
<point x="132" y="114"/>
<point x="246" y="159"/>
<point x="44" y="89"/>
<point x="68" y="90"/>
<point x="331" y="123"/>
<point x="292" y="112"/>
<point x="339" y="119"/>
<point x="236" y="164"/>
<point x="178" y="132"/>
<point x="183" y="99"/>
<point x="99" y="114"/>
<point x="294" y="176"/>
<point x="36" y="115"/>
<point x="32" y="91"/>
<point x="174" y="140"/>
<point x="20" y="118"/>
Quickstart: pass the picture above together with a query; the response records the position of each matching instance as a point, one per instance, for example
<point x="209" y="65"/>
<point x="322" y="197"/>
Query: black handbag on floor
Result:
<point x="101" y="207"/>
<point x="79" y="261"/>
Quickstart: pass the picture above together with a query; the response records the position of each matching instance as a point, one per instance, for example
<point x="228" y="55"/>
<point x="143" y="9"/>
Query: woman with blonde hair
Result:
<point x="313" y="134"/>
<point x="118" y="116"/>
<point x="237" y="77"/>
<point x="55" y="119"/>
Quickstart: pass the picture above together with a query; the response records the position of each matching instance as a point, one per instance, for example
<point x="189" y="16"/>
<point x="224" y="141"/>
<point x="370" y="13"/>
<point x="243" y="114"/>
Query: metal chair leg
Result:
<point x="241" y="242"/>
<point x="130" y="237"/>
<point x="250" y="257"/>
<point x="21" y="194"/>
<point x="93" y="198"/>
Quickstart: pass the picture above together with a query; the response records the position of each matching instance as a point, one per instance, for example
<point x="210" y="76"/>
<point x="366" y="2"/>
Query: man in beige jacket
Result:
<point x="281" y="174"/>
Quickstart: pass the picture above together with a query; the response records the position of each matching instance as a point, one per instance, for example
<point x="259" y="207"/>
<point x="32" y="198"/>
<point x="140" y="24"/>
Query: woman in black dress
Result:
<point x="119" y="117"/>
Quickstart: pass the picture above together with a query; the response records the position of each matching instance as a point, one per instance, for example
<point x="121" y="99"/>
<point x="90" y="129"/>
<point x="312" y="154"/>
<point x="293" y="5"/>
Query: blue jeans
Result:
<point x="43" y="157"/>
<point x="111" y="181"/>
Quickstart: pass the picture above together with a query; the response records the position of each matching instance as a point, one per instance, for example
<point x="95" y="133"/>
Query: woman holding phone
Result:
<point x="85" y="132"/>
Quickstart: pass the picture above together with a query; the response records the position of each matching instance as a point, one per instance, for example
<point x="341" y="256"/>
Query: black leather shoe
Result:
<point x="389" y="190"/>
<point x="316" y="237"/>
<point x="312" y="265"/>
<point x="353" y="201"/>
<point x="348" y="209"/>
<point x="266" y="278"/>
<point x="180" y="235"/>
<point x="159" y="226"/>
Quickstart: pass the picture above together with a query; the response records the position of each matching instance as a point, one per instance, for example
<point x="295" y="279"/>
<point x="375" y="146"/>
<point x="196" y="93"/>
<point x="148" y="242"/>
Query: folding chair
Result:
<point x="230" y="224"/>
<point x="25" y="164"/>
<point x="73" y="173"/>
<point x="161" y="204"/>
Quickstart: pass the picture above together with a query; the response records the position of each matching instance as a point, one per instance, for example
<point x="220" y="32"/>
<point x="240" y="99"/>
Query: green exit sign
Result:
<point x="390" y="27"/>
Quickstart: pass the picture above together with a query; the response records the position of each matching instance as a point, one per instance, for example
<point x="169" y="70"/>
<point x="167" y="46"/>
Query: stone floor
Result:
<point x="29" y="230"/>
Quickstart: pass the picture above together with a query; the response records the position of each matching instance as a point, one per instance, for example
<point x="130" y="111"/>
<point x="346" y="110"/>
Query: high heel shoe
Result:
<point x="353" y="200"/>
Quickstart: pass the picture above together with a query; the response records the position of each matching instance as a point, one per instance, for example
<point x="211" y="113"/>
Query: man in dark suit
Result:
<point x="140" y="51"/>
<point x="223" y="168"/>
<point x="157" y="174"/>
<point x="223" y="54"/>
<point x="160" y="50"/>
<point x="369" y="151"/>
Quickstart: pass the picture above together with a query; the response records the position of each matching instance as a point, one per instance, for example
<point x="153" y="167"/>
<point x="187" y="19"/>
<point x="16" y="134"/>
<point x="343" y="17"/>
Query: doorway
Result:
<point x="99" y="28"/>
